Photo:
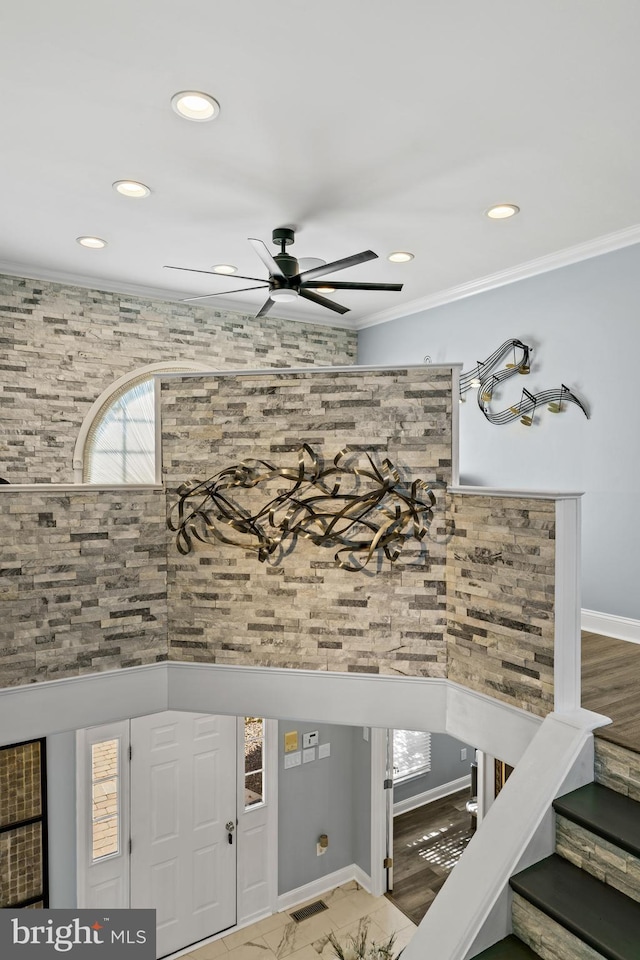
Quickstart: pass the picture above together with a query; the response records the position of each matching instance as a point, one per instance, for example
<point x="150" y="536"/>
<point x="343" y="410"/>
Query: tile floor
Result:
<point x="278" y="936"/>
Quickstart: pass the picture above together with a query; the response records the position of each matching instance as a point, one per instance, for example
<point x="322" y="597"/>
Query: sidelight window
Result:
<point x="105" y="798"/>
<point x="253" y="762"/>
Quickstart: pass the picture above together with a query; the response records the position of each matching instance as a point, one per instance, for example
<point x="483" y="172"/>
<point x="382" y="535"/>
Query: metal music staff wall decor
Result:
<point x="483" y="377"/>
<point x="361" y="512"/>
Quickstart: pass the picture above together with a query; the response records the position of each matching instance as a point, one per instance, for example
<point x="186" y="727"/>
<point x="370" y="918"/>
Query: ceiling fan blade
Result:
<point x="223" y="294"/>
<point x="337" y="265"/>
<point x="266" y="306"/>
<point x="322" y="301"/>
<point x="262" y="251"/>
<point x="319" y="284"/>
<point x="214" y="273"/>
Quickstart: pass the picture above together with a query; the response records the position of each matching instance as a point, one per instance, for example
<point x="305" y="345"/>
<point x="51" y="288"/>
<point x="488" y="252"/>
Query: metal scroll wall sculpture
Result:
<point x="487" y="380"/>
<point x="360" y="512"/>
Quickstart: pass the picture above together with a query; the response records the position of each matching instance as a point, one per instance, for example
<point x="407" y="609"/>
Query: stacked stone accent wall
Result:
<point x="82" y="582"/>
<point x="501" y="588"/>
<point x="225" y="606"/>
<point x="599" y="857"/>
<point x="61" y="346"/>
<point x="617" y="768"/>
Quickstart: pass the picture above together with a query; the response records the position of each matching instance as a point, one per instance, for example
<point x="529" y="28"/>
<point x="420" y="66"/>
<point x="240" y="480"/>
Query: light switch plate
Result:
<point x="324" y="750"/>
<point x="291" y="741"/>
<point x="310" y="739"/>
<point x="292" y="760"/>
<point x="309" y="755"/>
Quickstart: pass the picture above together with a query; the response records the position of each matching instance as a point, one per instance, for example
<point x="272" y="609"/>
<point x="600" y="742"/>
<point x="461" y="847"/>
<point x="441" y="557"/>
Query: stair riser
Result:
<point x="617" y="768"/>
<point x="598" y="857"/>
<point x="547" y="938"/>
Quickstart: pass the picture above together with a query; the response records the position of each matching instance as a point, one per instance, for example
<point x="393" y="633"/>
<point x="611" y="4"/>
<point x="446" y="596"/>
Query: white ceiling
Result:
<point x="364" y="123"/>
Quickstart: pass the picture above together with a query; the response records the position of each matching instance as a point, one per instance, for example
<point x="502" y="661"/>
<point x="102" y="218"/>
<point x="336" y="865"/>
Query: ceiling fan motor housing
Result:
<point x="287" y="263"/>
<point x="283" y="236"/>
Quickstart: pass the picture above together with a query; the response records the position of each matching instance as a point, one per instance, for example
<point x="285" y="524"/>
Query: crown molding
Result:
<point x="607" y="243"/>
<point x="530" y="268"/>
<point x="140" y="291"/>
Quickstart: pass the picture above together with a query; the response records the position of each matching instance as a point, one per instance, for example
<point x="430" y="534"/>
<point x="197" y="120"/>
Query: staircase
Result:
<point x="583" y="902"/>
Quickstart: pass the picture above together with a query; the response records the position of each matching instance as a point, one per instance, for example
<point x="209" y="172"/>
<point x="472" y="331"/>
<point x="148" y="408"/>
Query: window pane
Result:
<point x="105" y="838"/>
<point x="253" y="789"/>
<point x="253" y="760"/>
<point x="121" y="448"/>
<point x="104" y="760"/>
<point x="105" y="788"/>
<point x="411" y="753"/>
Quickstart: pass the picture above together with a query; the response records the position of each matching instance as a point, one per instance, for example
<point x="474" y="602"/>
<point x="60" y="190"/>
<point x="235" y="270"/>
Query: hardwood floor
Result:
<point x="427" y="843"/>
<point x="611" y="685"/>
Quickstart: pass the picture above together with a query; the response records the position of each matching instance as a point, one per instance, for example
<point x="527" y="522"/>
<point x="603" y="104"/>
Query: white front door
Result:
<point x="183" y="794"/>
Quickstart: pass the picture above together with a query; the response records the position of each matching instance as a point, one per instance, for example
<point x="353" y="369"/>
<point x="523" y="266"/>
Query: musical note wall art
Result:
<point x="486" y="379"/>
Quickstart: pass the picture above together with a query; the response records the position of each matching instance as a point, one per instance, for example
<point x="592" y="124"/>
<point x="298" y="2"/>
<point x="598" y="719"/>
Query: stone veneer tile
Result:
<point x="548" y="939"/>
<point x="81" y="597"/>
<point x="617" y="768"/>
<point x="598" y="857"/>
<point x="306" y="613"/>
<point x="500" y="600"/>
<point x="63" y="345"/>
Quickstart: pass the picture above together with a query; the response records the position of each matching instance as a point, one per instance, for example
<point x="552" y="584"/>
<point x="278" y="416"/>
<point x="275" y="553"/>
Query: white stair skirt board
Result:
<point x="428" y="796"/>
<point x="309" y="891"/>
<point x="610" y="625"/>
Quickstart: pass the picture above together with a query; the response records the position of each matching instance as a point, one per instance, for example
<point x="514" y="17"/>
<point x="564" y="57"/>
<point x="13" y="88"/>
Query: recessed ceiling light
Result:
<point x="326" y="289"/>
<point x="193" y="105"/>
<point x="131" y="188"/>
<point x="283" y="295"/>
<point x="400" y="256"/>
<point x="227" y="268"/>
<point x="502" y="211"/>
<point x="93" y="243"/>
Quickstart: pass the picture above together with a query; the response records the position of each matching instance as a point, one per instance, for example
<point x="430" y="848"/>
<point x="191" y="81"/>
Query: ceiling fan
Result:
<point x="286" y="282"/>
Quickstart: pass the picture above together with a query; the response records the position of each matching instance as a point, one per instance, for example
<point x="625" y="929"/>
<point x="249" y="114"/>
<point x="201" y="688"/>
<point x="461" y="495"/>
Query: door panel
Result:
<point x="183" y="791"/>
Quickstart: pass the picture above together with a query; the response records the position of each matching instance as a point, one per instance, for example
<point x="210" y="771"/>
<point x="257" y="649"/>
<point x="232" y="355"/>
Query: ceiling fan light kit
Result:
<point x="288" y="282"/>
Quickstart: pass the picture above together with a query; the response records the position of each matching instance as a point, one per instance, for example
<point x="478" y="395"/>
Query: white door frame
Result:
<point x="257" y="873"/>
<point x="246" y="912"/>
<point x="378" y="740"/>
<point x="119" y="730"/>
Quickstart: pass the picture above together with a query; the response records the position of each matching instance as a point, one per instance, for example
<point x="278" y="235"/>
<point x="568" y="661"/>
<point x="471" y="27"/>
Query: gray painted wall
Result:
<point x="582" y="321"/>
<point x="61" y="800"/>
<point x="331" y="796"/>
<point x="446" y="766"/>
<point x="361" y="810"/>
<point x="320" y="797"/>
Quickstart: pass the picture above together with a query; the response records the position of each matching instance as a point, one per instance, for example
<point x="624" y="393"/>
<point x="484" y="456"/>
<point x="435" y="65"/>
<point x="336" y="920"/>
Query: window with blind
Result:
<point x="121" y="443"/>
<point x="411" y="754"/>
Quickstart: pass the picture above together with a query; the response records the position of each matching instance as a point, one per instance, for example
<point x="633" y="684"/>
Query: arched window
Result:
<point x="117" y="441"/>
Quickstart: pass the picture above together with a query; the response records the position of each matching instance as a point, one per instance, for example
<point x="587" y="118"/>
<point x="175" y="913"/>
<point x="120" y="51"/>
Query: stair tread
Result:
<point x="508" y="949"/>
<point x="596" y="913"/>
<point x="604" y="812"/>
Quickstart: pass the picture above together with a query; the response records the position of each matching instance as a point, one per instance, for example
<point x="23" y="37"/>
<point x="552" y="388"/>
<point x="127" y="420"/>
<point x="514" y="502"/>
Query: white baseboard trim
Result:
<point x="309" y="891"/>
<point x="428" y="796"/>
<point x="610" y="625"/>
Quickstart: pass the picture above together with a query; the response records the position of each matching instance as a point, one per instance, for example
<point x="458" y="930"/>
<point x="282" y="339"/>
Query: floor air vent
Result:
<point x="309" y="911"/>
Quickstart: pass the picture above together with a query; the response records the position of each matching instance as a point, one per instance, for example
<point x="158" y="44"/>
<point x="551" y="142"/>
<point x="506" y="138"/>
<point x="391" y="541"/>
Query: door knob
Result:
<point x="230" y="826"/>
